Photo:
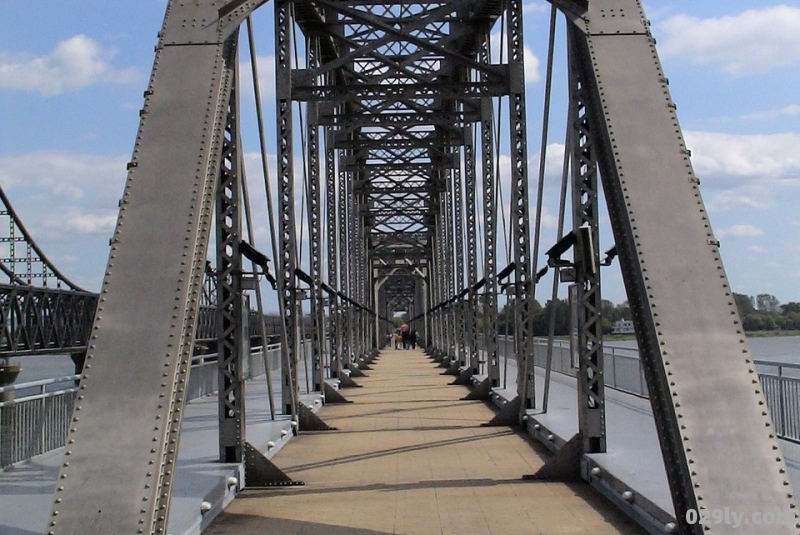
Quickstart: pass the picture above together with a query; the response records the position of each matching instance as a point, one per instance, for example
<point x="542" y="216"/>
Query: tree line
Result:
<point x="611" y="313"/>
<point x="763" y="312"/>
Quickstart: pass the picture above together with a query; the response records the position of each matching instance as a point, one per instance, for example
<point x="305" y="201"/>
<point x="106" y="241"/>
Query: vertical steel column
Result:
<point x="470" y="183"/>
<point x="447" y="264"/>
<point x="453" y="329"/>
<point x="345" y="330"/>
<point x="435" y="279"/>
<point x="351" y="257"/>
<point x="591" y="393"/>
<point x="286" y="227"/>
<point x="489" y="224"/>
<point x="230" y="327"/>
<point x="333" y="253"/>
<point x="440" y="285"/>
<point x="458" y="229"/>
<point x="524" y="289"/>
<point x="315" y="225"/>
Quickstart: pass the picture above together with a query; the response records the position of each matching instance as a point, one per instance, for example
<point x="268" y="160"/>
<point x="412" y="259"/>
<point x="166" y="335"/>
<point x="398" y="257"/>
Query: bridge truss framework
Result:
<point x="399" y="105"/>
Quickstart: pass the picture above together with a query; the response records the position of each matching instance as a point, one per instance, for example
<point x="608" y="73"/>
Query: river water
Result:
<point x="777" y="348"/>
<point x="783" y="349"/>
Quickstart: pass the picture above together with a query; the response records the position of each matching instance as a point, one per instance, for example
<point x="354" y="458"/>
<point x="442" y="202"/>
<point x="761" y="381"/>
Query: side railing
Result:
<point x="37" y="422"/>
<point x="34" y="416"/>
<point x="622" y="368"/>
<point x="780" y="381"/>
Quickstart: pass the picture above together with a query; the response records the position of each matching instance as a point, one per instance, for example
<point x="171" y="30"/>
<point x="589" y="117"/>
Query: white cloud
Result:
<point x="792" y="110"/>
<point x="754" y="41"/>
<point x="532" y="75"/>
<point x="740" y="231"/>
<point x="84" y="223"/>
<point x="747" y="196"/>
<point x="63" y="175"/>
<point x="74" y="63"/>
<point x="744" y="171"/>
<point x="266" y="77"/>
<point x="757" y="249"/>
<point x="761" y="156"/>
<point x="500" y="52"/>
<point x="59" y="195"/>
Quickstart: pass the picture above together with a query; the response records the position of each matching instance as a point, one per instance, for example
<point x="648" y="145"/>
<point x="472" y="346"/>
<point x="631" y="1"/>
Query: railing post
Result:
<point x="781" y="405"/>
<point x="7" y="430"/>
<point x="614" y="366"/>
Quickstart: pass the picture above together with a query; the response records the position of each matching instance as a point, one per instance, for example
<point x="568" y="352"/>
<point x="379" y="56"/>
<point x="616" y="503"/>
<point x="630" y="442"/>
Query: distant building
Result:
<point x="623" y="327"/>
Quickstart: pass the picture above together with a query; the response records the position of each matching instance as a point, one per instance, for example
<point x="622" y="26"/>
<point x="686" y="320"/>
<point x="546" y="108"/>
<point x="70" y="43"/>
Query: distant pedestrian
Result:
<point x="413" y="339"/>
<point x="398" y="340"/>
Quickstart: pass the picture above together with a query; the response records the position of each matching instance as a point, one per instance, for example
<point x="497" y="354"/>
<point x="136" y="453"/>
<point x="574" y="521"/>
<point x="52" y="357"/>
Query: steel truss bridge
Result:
<point x="393" y="111"/>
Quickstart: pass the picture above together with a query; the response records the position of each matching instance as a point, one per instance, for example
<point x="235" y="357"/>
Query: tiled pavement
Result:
<point x="409" y="457"/>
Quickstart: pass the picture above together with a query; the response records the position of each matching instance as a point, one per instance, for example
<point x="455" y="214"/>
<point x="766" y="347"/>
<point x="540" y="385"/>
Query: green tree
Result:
<point x="744" y="303"/>
<point x="753" y="322"/>
<point x="790" y="308"/>
<point x="541" y="324"/>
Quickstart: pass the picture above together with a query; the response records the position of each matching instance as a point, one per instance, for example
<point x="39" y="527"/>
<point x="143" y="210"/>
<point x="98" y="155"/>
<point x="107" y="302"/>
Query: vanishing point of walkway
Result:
<point x="410" y="457"/>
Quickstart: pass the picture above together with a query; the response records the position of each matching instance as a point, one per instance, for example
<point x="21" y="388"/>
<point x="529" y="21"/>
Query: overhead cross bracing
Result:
<point x="404" y="84"/>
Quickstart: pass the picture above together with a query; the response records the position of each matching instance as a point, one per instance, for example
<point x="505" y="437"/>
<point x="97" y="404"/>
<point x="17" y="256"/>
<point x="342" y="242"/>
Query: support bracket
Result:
<point x="333" y="396"/>
<point x="565" y="465"/>
<point x="481" y="391"/>
<point x="508" y="415"/>
<point x="260" y="472"/>
<point x="308" y="421"/>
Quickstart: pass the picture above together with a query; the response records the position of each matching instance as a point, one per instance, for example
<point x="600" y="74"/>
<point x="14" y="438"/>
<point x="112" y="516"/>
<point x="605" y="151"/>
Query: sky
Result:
<point x="72" y="75"/>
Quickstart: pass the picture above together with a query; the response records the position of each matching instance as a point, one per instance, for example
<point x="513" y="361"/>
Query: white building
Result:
<point x="623" y="327"/>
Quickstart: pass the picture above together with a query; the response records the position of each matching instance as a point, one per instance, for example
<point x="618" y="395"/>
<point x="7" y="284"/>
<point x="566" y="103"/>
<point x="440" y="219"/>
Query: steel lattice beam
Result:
<point x="716" y="436"/>
<point x="230" y="326"/>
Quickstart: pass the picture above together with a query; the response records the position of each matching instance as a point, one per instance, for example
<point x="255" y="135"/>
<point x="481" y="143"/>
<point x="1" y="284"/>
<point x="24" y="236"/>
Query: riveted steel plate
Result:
<point x="124" y="430"/>
<point x="615" y="17"/>
<point x="719" y="421"/>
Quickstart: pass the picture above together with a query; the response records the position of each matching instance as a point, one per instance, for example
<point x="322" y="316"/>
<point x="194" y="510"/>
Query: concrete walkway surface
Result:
<point x="410" y="457"/>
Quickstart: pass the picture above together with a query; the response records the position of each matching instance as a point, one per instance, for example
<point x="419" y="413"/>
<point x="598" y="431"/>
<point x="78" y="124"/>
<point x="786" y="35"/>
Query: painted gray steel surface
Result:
<point x="716" y="435"/>
<point x="122" y="442"/>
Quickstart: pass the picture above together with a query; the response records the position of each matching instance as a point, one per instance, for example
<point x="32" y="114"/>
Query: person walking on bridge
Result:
<point x="405" y="331"/>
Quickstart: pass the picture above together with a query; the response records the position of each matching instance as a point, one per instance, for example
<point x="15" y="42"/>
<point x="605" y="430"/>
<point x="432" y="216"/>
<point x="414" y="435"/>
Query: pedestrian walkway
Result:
<point x="409" y="457"/>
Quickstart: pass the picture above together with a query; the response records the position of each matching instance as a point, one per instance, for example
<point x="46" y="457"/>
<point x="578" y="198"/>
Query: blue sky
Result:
<point x="72" y="75"/>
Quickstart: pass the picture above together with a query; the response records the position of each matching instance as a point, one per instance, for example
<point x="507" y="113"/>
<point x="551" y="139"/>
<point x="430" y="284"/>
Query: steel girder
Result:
<point x="489" y="190"/>
<point x="41" y="310"/>
<point x="585" y="184"/>
<point x="287" y="240"/>
<point x="520" y="216"/>
<point x="314" y="199"/>
<point x="332" y="240"/>
<point x="229" y="306"/>
<point x="716" y="436"/>
<point x="44" y="320"/>
<point x="470" y="186"/>
<point x="458" y="271"/>
<point x="123" y="438"/>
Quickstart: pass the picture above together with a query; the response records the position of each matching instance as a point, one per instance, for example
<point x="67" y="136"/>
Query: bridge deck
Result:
<point x="411" y="457"/>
